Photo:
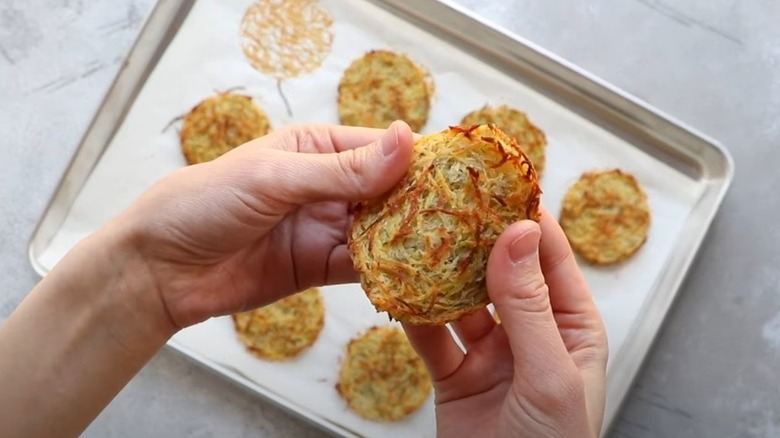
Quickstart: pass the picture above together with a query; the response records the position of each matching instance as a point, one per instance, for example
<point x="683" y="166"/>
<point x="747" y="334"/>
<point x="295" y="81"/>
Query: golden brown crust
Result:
<point x="284" y="329"/>
<point x="220" y="123"/>
<point x="381" y="377"/>
<point x="517" y="125"/>
<point x="422" y="249"/>
<point x="606" y="216"/>
<point x="382" y="87"/>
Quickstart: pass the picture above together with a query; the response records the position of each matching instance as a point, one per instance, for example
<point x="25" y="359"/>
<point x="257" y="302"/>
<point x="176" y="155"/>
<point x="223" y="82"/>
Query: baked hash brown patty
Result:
<point x="422" y="249"/>
<point x="220" y="123"/>
<point x="382" y="87"/>
<point x="516" y="125"/>
<point x="381" y="376"/>
<point x="606" y="216"/>
<point x="283" y="329"/>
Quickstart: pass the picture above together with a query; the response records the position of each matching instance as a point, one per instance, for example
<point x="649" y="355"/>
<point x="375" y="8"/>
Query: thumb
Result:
<point x="518" y="290"/>
<point x="351" y="175"/>
<point x="548" y="394"/>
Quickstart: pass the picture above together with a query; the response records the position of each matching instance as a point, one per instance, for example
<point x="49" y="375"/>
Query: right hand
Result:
<point x="541" y="371"/>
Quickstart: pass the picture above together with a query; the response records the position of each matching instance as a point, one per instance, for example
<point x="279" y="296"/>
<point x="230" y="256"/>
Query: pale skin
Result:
<point x="266" y="220"/>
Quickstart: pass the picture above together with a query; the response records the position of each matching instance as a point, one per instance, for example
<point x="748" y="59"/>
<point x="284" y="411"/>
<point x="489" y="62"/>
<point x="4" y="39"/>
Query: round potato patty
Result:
<point x="381" y="376"/>
<point x="606" y="216"/>
<point x="382" y="87"/>
<point x="517" y="125"/>
<point x="283" y="329"/>
<point x="220" y="123"/>
<point x="422" y="249"/>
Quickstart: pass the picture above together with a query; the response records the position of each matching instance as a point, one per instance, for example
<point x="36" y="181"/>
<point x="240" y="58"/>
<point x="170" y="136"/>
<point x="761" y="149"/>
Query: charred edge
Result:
<point x="500" y="200"/>
<point x="474" y="174"/>
<point x="500" y="146"/>
<point x="406" y="226"/>
<point x="464" y="264"/>
<point x="438" y="253"/>
<point x="465" y="130"/>
<point x="527" y="169"/>
<point x="532" y="208"/>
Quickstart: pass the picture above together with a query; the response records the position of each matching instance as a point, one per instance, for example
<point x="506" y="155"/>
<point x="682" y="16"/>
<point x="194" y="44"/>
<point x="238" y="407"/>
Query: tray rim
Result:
<point x="717" y="177"/>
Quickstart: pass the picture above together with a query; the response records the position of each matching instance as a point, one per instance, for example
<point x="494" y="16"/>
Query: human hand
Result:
<point x="541" y="371"/>
<point x="263" y="221"/>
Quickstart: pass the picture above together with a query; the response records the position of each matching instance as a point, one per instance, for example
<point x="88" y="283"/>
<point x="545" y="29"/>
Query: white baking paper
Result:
<point x="205" y="57"/>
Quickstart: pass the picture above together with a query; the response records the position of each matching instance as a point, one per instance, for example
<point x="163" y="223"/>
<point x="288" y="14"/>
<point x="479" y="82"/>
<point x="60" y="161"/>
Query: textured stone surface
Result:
<point x="713" y="64"/>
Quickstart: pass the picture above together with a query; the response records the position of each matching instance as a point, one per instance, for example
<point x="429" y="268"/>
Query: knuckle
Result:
<point x="351" y="165"/>
<point x="556" y="259"/>
<point x="312" y="138"/>
<point x="304" y="138"/>
<point x="533" y="295"/>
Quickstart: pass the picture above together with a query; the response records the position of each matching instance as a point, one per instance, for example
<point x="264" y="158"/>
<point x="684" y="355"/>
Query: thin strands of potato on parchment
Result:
<point x="286" y="38"/>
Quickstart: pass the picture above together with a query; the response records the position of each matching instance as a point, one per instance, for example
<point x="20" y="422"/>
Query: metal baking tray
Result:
<point x="702" y="160"/>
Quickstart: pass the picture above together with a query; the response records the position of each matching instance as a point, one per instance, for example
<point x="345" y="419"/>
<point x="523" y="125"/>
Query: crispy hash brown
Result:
<point x="220" y="123"/>
<point x="283" y="329"/>
<point x="422" y="249"/>
<point x="382" y="87"/>
<point x="606" y="216"/>
<point x="516" y="125"/>
<point x="381" y="376"/>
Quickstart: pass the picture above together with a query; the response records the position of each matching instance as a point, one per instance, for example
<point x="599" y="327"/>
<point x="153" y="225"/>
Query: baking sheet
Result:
<point x="205" y="57"/>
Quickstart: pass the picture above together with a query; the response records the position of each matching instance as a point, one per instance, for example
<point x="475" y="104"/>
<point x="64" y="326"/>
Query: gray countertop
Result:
<point x="713" y="64"/>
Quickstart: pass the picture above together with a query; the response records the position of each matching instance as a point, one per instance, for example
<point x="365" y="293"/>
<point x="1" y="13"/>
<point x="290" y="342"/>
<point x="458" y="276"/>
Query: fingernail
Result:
<point x="389" y="140"/>
<point x="525" y="245"/>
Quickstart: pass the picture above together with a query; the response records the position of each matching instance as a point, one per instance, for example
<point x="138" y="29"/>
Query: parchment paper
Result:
<point x="205" y="57"/>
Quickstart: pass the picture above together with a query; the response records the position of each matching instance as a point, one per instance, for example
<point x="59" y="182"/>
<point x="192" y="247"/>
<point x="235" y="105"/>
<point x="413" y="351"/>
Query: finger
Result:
<point x="320" y="138"/>
<point x="568" y="290"/>
<point x="575" y="311"/>
<point x="473" y="328"/>
<point x="436" y="348"/>
<point x="578" y="319"/>
<point x="287" y="179"/>
<point x="518" y="290"/>
<point x="340" y="268"/>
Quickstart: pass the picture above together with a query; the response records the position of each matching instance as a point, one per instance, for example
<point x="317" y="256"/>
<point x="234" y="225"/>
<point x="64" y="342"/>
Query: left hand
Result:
<point x="265" y="220"/>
